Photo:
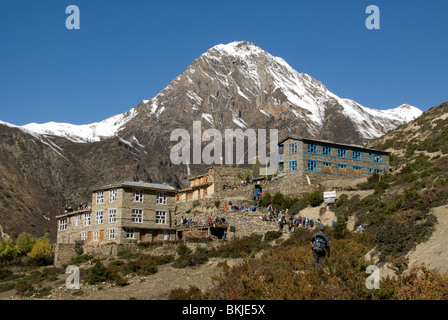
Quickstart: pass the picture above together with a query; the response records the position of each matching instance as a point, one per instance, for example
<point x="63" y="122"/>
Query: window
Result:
<point x="161" y="198"/>
<point x="99" y="217"/>
<point x="312" y="165"/>
<point x="137" y="195"/>
<point x="113" y="195"/>
<point x="312" y="148"/>
<point x="137" y="215"/>
<point x="111" y="233"/>
<point x="87" y="219"/>
<point x="357" y="168"/>
<point x="342" y="166"/>
<point x="99" y="197"/>
<point x="83" y="235"/>
<point x="292" y="147"/>
<point x="356" y="155"/>
<point x="293" y="165"/>
<point x="327" y="164"/>
<point x="95" y="235"/>
<point x="161" y="217"/>
<point x="378" y="171"/>
<point x="130" y="234"/>
<point x="62" y="224"/>
<point x="326" y="151"/>
<point x="378" y="158"/>
<point x="342" y="153"/>
<point x="76" y="221"/>
<point x="112" y="215"/>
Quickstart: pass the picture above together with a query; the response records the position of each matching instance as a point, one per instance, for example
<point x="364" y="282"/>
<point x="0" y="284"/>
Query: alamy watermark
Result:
<point x="212" y="153"/>
<point x="373" y="281"/>
<point x="72" y="281"/>
<point x="73" y="20"/>
<point x="373" y="20"/>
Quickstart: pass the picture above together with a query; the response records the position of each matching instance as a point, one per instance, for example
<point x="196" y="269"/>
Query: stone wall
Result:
<point x="64" y="253"/>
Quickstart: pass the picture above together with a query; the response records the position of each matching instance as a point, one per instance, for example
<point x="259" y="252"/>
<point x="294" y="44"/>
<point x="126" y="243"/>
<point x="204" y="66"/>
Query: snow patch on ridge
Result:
<point x="82" y="133"/>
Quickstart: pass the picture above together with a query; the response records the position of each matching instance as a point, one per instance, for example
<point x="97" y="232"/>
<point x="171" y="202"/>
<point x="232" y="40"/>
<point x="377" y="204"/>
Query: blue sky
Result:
<point x="127" y="51"/>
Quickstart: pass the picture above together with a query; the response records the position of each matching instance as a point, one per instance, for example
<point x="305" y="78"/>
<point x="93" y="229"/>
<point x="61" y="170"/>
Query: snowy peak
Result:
<point x="82" y="133"/>
<point x="239" y="84"/>
<point x="272" y="84"/>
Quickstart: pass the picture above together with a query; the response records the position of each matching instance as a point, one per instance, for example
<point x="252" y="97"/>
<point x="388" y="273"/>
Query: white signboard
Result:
<point x="330" y="197"/>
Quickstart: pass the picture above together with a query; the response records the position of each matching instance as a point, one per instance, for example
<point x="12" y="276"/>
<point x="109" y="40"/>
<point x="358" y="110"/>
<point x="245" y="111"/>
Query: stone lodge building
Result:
<point x="212" y="184"/>
<point x="310" y="156"/>
<point x="121" y="213"/>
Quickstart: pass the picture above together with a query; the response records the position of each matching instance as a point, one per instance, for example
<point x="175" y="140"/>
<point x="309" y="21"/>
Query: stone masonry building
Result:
<point x="212" y="184"/>
<point x="122" y="213"/>
<point x="311" y="157"/>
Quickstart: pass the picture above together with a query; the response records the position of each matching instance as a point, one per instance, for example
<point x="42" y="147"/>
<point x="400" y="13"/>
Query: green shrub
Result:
<point x="244" y="245"/>
<point x="272" y="235"/>
<point x="187" y="258"/>
<point x="81" y="259"/>
<point x="387" y="144"/>
<point x="23" y="287"/>
<point x="25" y="243"/>
<point x="315" y="198"/>
<point x="298" y="206"/>
<point x="126" y="254"/>
<point x="97" y="274"/>
<point x="42" y="253"/>
<point x="278" y="199"/>
<point x="7" y="251"/>
<point x="340" y="230"/>
<point x="144" y="265"/>
<point x="5" y="273"/>
<point x="343" y="199"/>
<point x="403" y="231"/>
<point x="193" y="293"/>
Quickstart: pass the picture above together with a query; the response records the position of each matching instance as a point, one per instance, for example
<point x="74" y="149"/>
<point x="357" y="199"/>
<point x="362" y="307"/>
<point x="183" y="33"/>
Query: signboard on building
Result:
<point x="330" y="196"/>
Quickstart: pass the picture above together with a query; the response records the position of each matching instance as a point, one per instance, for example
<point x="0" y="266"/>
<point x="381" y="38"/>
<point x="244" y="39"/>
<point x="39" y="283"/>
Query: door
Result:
<point x="89" y="237"/>
<point x="257" y="190"/>
<point x="101" y="236"/>
<point x="155" y="235"/>
<point x="143" y="235"/>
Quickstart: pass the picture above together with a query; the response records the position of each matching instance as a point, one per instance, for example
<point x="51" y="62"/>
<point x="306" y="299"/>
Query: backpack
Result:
<point x="319" y="243"/>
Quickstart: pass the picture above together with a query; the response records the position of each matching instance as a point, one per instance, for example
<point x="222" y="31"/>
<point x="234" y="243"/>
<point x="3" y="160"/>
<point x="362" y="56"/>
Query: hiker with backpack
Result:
<point x="320" y="244"/>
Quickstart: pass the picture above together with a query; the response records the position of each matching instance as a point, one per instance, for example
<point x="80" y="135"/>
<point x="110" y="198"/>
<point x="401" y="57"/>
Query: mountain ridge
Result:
<point x="295" y="92"/>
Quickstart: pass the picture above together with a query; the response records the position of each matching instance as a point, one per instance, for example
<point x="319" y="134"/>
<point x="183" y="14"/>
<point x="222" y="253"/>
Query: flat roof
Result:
<point x="332" y="142"/>
<point x="137" y="184"/>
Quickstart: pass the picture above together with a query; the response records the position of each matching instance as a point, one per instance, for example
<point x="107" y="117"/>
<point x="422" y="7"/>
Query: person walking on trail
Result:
<point x="320" y="244"/>
<point x="280" y="225"/>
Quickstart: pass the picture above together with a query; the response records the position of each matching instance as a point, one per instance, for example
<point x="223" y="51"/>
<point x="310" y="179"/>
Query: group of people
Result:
<point x="231" y="207"/>
<point x="82" y="206"/>
<point x="210" y="221"/>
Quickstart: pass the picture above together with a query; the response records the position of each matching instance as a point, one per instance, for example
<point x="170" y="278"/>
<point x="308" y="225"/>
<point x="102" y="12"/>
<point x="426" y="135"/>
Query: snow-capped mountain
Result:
<point x="239" y="84"/>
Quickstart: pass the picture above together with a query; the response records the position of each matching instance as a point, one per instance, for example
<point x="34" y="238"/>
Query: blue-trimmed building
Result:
<point x="303" y="155"/>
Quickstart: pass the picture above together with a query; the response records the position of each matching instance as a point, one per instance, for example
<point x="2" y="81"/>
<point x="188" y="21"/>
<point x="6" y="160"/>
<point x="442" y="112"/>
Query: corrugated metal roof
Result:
<point x="294" y="137"/>
<point x="138" y="184"/>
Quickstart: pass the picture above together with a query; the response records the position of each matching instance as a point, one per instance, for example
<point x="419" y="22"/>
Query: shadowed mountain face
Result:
<point x="233" y="86"/>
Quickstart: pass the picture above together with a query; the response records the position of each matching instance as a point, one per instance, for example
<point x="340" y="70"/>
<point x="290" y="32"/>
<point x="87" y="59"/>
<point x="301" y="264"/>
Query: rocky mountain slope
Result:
<point x="238" y="85"/>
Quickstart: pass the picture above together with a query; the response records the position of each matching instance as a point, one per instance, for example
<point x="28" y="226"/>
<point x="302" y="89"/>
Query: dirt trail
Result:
<point x="434" y="252"/>
<point x="431" y="253"/>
